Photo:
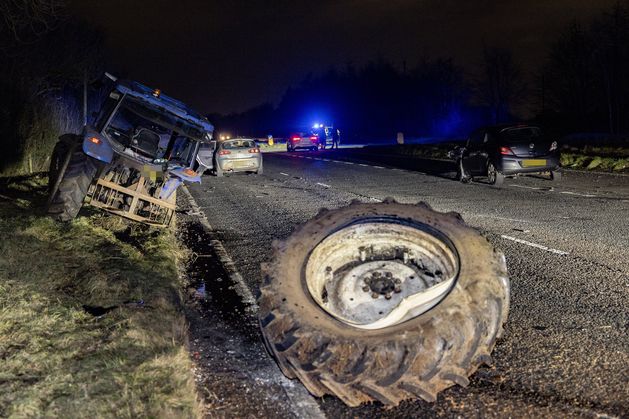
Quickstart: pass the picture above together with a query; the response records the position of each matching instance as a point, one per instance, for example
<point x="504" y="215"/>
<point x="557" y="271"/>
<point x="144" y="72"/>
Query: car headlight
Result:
<point x="553" y="146"/>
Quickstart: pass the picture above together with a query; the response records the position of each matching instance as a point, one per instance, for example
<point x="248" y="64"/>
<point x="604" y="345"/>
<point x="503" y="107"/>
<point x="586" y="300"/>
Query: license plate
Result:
<point x="533" y="162"/>
<point x="242" y="164"/>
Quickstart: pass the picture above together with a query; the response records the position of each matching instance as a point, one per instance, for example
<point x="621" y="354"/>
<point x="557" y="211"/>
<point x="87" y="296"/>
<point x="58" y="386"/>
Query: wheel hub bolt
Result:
<point x="382" y="283"/>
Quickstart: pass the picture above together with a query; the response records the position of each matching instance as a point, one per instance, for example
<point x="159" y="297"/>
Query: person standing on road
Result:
<point x="336" y="138"/>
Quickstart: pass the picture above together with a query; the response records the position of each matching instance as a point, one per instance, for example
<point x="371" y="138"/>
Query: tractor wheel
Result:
<point x="68" y="199"/>
<point x="56" y="163"/>
<point x="383" y="302"/>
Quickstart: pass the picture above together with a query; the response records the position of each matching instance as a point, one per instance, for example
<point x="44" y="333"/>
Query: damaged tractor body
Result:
<point x="131" y="160"/>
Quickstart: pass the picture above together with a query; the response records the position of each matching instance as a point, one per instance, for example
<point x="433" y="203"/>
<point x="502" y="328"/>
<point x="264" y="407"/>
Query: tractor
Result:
<point x="130" y="161"/>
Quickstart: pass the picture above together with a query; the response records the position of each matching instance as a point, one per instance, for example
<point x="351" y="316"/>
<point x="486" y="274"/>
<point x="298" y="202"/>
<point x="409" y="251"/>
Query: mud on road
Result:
<point x="235" y="377"/>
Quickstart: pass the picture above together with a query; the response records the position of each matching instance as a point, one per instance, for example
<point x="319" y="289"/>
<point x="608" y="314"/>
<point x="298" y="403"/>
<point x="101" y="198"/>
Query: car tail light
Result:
<point x="553" y="146"/>
<point x="506" y="151"/>
<point x="254" y="150"/>
<point x="295" y="139"/>
<point x="314" y="138"/>
<point x="223" y="152"/>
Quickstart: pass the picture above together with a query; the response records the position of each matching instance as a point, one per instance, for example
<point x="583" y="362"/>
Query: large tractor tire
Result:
<point x="383" y="302"/>
<point x="75" y="181"/>
<point x="56" y="163"/>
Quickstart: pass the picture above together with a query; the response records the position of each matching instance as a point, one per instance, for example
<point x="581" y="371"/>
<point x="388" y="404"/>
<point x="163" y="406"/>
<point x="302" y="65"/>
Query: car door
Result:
<point x="473" y="155"/>
<point x="205" y="155"/>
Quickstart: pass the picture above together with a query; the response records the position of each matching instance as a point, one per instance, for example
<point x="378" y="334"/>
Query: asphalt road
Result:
<point x="566" y="347"/>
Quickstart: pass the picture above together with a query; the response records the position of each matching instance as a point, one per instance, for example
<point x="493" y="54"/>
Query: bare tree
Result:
<point x="570" y="82"/>
<point x="611" y="33"/>
<point x="25" y="20"/>
<point x="500" y="85"/>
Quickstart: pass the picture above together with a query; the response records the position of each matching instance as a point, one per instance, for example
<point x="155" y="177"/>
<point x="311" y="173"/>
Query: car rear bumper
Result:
<point x="515" y="165"/>
<point x="303" y="144"/>
<point x="240" y="165"/>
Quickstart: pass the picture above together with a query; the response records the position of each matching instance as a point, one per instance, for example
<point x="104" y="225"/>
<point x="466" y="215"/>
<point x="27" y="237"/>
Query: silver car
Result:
<point x="236" y="155"/>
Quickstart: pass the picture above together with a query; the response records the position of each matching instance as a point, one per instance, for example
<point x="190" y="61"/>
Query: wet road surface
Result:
<point x="565" y="350"/>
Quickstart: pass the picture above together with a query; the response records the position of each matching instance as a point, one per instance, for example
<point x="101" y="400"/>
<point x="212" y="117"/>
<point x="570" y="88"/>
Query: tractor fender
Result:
<point x="95" y="145"/>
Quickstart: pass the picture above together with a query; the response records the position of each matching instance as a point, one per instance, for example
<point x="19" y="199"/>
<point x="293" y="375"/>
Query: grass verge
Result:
<point x="91" y="320"/>
<point x="584" y="158"/>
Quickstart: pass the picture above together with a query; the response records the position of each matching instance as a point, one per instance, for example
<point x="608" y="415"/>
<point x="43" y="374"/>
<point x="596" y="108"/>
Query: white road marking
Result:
<point x="303" y="404"/>
<point x="378" y="167"/>
<point x="363" y="164"/>
<point x="532" y="187"/>
<point x="535" y="245"/>
<point x="517" y="220"/>
<point x="308" y="157"/>
<point x="323" y="184"/>
<point x="347" y="162"/>
<point x="240" y="286"/>
<point x="284" y="174"/>
<point x="578" y="194"/>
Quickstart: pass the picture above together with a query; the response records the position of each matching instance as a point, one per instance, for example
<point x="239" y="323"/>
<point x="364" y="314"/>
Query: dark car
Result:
<point x="507" y="151"/>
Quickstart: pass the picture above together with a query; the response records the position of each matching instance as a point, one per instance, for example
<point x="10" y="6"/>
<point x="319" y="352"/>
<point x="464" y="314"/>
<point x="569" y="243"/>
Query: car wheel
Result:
<point x="344" y="305"/>
<point x="555" y="175"/>
<point x="218" y="172"/>
<point x="494" y="177"/>
<point x="289" y="148"/>
<point x="260" y="169"/>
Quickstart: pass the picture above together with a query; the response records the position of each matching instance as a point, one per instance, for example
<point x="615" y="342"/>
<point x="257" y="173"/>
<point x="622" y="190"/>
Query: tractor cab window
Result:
<point x="153" y="133"/>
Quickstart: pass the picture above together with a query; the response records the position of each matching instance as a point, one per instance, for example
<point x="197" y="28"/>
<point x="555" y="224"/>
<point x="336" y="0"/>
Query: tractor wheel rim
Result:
<point x="372" y="275"/>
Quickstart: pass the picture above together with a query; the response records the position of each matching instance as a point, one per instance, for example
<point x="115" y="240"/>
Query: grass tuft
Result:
<point x="91" y="319"/>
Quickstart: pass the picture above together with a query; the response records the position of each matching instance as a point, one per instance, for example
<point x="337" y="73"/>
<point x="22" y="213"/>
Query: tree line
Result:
<point x="583" y="85"/>
<point x="45" y="56"/>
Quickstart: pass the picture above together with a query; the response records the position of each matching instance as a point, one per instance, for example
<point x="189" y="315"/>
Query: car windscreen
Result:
<point x="520" y="134"/>
<point x="235" y="144"/>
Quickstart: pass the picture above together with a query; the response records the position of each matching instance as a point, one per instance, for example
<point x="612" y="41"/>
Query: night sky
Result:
<point x="230" y="55"/>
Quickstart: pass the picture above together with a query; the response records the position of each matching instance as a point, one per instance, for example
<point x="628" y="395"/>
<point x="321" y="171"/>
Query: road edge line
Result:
<point x="304" y="404"/>
<point x="239" y="283"/>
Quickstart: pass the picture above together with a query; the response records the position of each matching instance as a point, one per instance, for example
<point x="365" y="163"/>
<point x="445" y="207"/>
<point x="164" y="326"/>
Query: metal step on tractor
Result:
<point x="130" y="161"/>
